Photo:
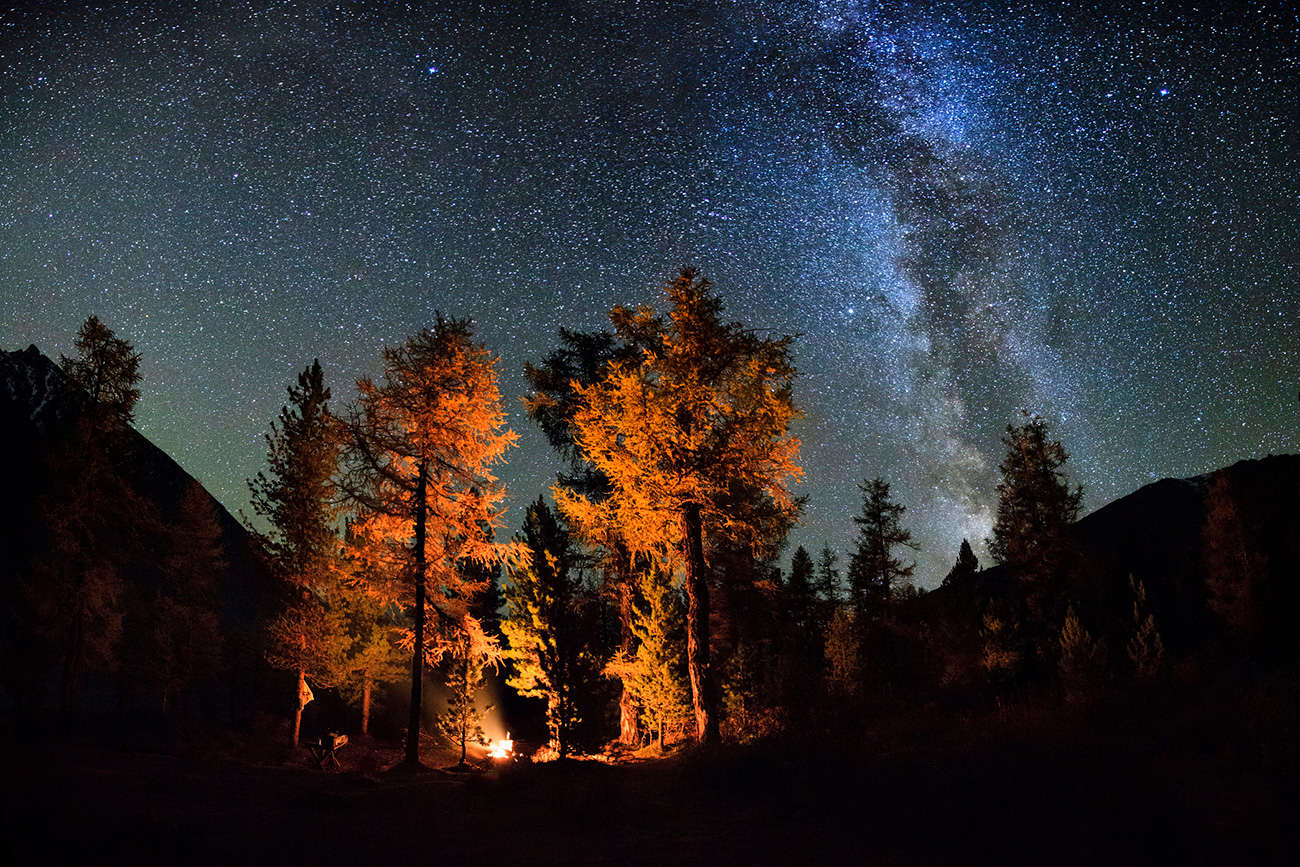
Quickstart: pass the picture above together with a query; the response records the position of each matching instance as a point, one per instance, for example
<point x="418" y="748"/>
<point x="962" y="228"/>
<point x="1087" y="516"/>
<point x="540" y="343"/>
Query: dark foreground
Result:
<point x="1040" y="786"/>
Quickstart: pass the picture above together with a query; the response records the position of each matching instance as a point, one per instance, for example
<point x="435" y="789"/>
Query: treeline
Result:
<point x="645" y="602"/>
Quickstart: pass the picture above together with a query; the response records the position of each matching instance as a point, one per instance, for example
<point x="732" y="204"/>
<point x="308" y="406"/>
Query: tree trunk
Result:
<point x="297" y="715"/>
<point x="697" y="628"/>
<point x="71" y="669"/>
<point x="629" y="732"/>
<point x="417" y="656"/>
<point x="365" y="705"/>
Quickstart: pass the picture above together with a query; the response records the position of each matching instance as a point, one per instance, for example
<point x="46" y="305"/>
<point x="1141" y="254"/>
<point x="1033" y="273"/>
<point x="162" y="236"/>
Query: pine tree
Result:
<point x="801" y="592"/>
<point x="1036" y="507"/>
<point x="372" y="657"/>
<point x="420" y="448"/>
<point x="703" y="416"/>
<point x="966" y="566"/>
<point x="1035" y="503"/>
<point x="548" y="633"/>
<point x="297" y="498"/>
<point x="94" y="521"/>
<point x="874" y="572"/>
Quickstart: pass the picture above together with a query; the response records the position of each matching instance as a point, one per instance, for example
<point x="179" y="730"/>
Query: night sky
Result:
<point x="1090" y="213"/>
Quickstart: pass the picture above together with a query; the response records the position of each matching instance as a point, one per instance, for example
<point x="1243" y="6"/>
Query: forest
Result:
<point x="649" y="616"/>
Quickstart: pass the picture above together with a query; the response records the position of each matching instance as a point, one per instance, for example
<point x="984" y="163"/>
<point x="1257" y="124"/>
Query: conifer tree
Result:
<point x="108" y="368"/>
<point x="420" y="448"/>
<point x="843" y="655"/>
<point x="966" y="566"/>
<point x="296" y="495"/>
<point x="548" y="633"/>
<point x="704" y="414"/>
<point x="1146" y="650"/>
<point x="801" y="591"/>
<point x="462" y="722"/>
<point x="372" y="657"/>
<point x="1035" y="503"/>
<point x="582" y="360"/>
<point x="874" y="571"/>
<point x="1036" y="507"/>
<point x="654" y="673"/>
<point x="76" y="602"/>
<point x="1083" y="659"/>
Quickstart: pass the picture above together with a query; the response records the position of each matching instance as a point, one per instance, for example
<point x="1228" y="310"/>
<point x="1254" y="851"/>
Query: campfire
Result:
<point x="502" y="749"/>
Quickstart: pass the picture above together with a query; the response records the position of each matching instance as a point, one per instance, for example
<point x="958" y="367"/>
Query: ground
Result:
<point x="1031" y="786"/>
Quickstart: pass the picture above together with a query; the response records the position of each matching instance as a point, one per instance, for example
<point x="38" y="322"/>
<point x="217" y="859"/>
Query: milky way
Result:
<point x="962" y="214"/>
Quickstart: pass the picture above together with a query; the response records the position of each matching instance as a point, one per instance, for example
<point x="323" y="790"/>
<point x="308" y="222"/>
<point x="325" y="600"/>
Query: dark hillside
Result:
<point x="39" y="409"/>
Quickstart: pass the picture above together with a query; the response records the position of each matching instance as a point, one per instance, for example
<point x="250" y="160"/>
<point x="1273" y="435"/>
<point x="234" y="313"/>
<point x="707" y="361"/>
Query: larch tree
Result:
<point x="108" y="368"/>
<point x="297" y="497"/>
<point x="704" y="412"/>
<point x="420" y="448"/>
<point x="547" y="628"/>
<point x="654" y="673"/>
<point x="874" y="571"/>
<point x="93" y="523"/>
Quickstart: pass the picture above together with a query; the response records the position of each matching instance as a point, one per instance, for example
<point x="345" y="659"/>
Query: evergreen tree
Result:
<point x="828" y="582"/>
<point x="372" y="656"/>
<point x="966" y="566"/>
<point x="703" y="416"/>
<point x="1083" y="660"/>
<point x="76" y="602"/>
<point x="801" y="591"/>
<point x="1035" y="503"/>
<point x="462" y="722"/>
<point x="296" y="495"/>
<point x="654" y="673"/>
<point x="583" y="360"/>
<point x="419" y="452"/>
<point x="874" y="571"/>
<point x="547" y="628"/>
<point x="1036" y="507"/>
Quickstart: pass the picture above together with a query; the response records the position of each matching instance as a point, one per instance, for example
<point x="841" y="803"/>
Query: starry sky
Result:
<point x="963" y="210"/>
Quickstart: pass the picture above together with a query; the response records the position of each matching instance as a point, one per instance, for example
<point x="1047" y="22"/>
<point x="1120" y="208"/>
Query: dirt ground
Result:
<point x="1046" y="791"/>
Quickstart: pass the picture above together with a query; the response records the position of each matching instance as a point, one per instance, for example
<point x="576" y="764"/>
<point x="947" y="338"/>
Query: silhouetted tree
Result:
<point x="966" y="566"/>
<point x="874" y="571"/>
<point x="108" y="368"/>
<point x="296" y="495"/>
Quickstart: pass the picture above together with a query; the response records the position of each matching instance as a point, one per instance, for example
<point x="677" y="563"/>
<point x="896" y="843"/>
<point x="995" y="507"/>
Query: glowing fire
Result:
<point x="502" y="749"/>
